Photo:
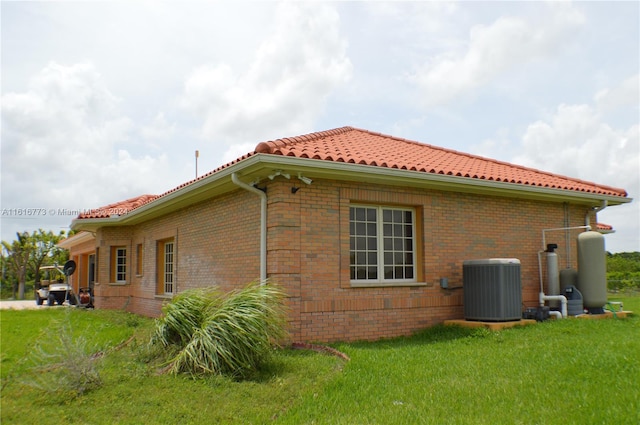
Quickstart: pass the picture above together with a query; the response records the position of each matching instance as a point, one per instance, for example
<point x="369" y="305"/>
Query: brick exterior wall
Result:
<point x="217" y="243"/>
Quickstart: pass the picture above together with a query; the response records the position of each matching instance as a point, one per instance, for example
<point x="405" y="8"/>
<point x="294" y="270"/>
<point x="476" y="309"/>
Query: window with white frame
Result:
<point x="382" y="244"/>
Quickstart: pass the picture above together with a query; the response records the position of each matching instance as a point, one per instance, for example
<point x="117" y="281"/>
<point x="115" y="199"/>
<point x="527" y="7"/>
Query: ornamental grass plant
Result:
<point x="232" y="334"/>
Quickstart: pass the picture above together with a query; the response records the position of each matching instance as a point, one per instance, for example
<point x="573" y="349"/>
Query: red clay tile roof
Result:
<point x="357" y="146"/>
<point x="353" y="145"/>
<point x="118" y="208"/>
<point x="603" y="226"/>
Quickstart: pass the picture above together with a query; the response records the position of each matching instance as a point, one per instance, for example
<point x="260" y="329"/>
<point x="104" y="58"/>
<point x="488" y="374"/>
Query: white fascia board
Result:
<point x="259" y="166"/>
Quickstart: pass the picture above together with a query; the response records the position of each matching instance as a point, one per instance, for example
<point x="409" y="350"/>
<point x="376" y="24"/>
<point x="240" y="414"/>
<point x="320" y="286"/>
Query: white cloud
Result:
<point x="159" y="129"/>
<point x="626" y="94"/>
<point x="508" y="42"/>
<point x="577" y="142"/>
<point x="412" y="18"/>
<point x="221" y="77"/>
<point x="284" y="89"/>
<point x="62" y="146"/>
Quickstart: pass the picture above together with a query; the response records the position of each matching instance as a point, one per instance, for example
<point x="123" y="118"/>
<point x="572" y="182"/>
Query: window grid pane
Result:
<point x="398" y="244"/>
<point x="364" y="249"/>
<point x="121" y="264"/>
<point x="168" y="268"/>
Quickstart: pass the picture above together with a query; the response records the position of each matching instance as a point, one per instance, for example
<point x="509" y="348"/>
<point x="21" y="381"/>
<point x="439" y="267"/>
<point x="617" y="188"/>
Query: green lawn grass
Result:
<point x="566" y="372"/>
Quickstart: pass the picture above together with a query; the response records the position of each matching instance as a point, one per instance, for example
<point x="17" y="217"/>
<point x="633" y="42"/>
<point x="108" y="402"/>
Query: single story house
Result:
<point x="358" y="227"/>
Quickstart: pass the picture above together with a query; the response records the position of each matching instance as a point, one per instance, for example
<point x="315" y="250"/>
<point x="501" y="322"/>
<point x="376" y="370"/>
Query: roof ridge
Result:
<point x="272" y="145"/>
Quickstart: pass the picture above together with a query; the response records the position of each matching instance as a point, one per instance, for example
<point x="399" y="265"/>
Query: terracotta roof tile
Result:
<point x="603" y="226"/>
<point x="357" y="146"/>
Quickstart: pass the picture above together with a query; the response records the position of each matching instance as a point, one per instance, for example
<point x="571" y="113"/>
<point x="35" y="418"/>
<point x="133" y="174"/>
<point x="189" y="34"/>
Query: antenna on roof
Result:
<point x="197" y="155"/>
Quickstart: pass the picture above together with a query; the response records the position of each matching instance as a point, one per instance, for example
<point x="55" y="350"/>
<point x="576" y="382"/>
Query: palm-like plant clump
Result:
<point x="208" y="332"/>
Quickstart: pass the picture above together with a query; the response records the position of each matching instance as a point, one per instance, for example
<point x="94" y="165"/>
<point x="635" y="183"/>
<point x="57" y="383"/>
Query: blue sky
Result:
<point x="102" y="101"/>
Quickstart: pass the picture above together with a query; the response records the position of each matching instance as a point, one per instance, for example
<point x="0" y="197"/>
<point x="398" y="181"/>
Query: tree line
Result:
<point x="623" y="271"/>
<point x="23" y="257"/>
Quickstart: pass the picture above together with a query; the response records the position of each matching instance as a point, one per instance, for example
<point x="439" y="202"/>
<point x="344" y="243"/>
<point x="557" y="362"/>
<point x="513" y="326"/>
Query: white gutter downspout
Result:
<point x="263" y="224"/>
<point x="604" y="205"/>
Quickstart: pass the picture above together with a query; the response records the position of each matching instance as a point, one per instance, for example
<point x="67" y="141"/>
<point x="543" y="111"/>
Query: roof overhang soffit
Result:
<point x="319" y="169"/>
<point x="75" y="240"/>
<point x="259" y="167"/>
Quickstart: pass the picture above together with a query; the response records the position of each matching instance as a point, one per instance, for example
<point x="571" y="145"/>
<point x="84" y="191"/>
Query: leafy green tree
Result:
<point x="25" y="255"/>
<point x="623" y="270"/>
<point x="45" y="248"/>
<point x="8" y="276"/>
<point x="623" y="262"/>
<point x="18" y="256"/>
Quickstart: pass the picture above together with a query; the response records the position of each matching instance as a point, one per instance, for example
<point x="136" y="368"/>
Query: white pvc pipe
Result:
<point x="544" y="238"/>
<point x="540" y="271"/>
<point x="263" y="224"/>
<point x="560" y="298"/>
<point x="555" y="314"/>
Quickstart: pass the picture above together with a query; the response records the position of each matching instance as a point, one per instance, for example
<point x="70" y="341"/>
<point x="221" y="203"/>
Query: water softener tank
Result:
<point x="568" y="277"/>
<point x="553" y="276"/>
<point x="592" y="271"/>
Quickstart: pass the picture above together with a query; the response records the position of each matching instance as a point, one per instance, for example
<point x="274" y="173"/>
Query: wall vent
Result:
<point x="492" y="290"/>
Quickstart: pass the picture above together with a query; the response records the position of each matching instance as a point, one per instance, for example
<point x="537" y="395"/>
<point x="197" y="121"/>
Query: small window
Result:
<point x="382" y="244"/>
<point x="118" y="264"/>
<point x="91" y="269"/>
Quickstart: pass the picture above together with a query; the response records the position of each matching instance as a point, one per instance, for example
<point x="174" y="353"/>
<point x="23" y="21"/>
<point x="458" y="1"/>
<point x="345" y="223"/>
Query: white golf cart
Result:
<point x="54" y="287"/>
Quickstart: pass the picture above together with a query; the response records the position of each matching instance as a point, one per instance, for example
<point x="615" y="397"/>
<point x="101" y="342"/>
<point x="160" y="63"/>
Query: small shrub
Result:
<point x="228" y="334"/>
<point x="62" y="364"/>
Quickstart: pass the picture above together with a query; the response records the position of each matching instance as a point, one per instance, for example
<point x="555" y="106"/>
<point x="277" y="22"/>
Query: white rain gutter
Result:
<point x="263" y="224"/>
